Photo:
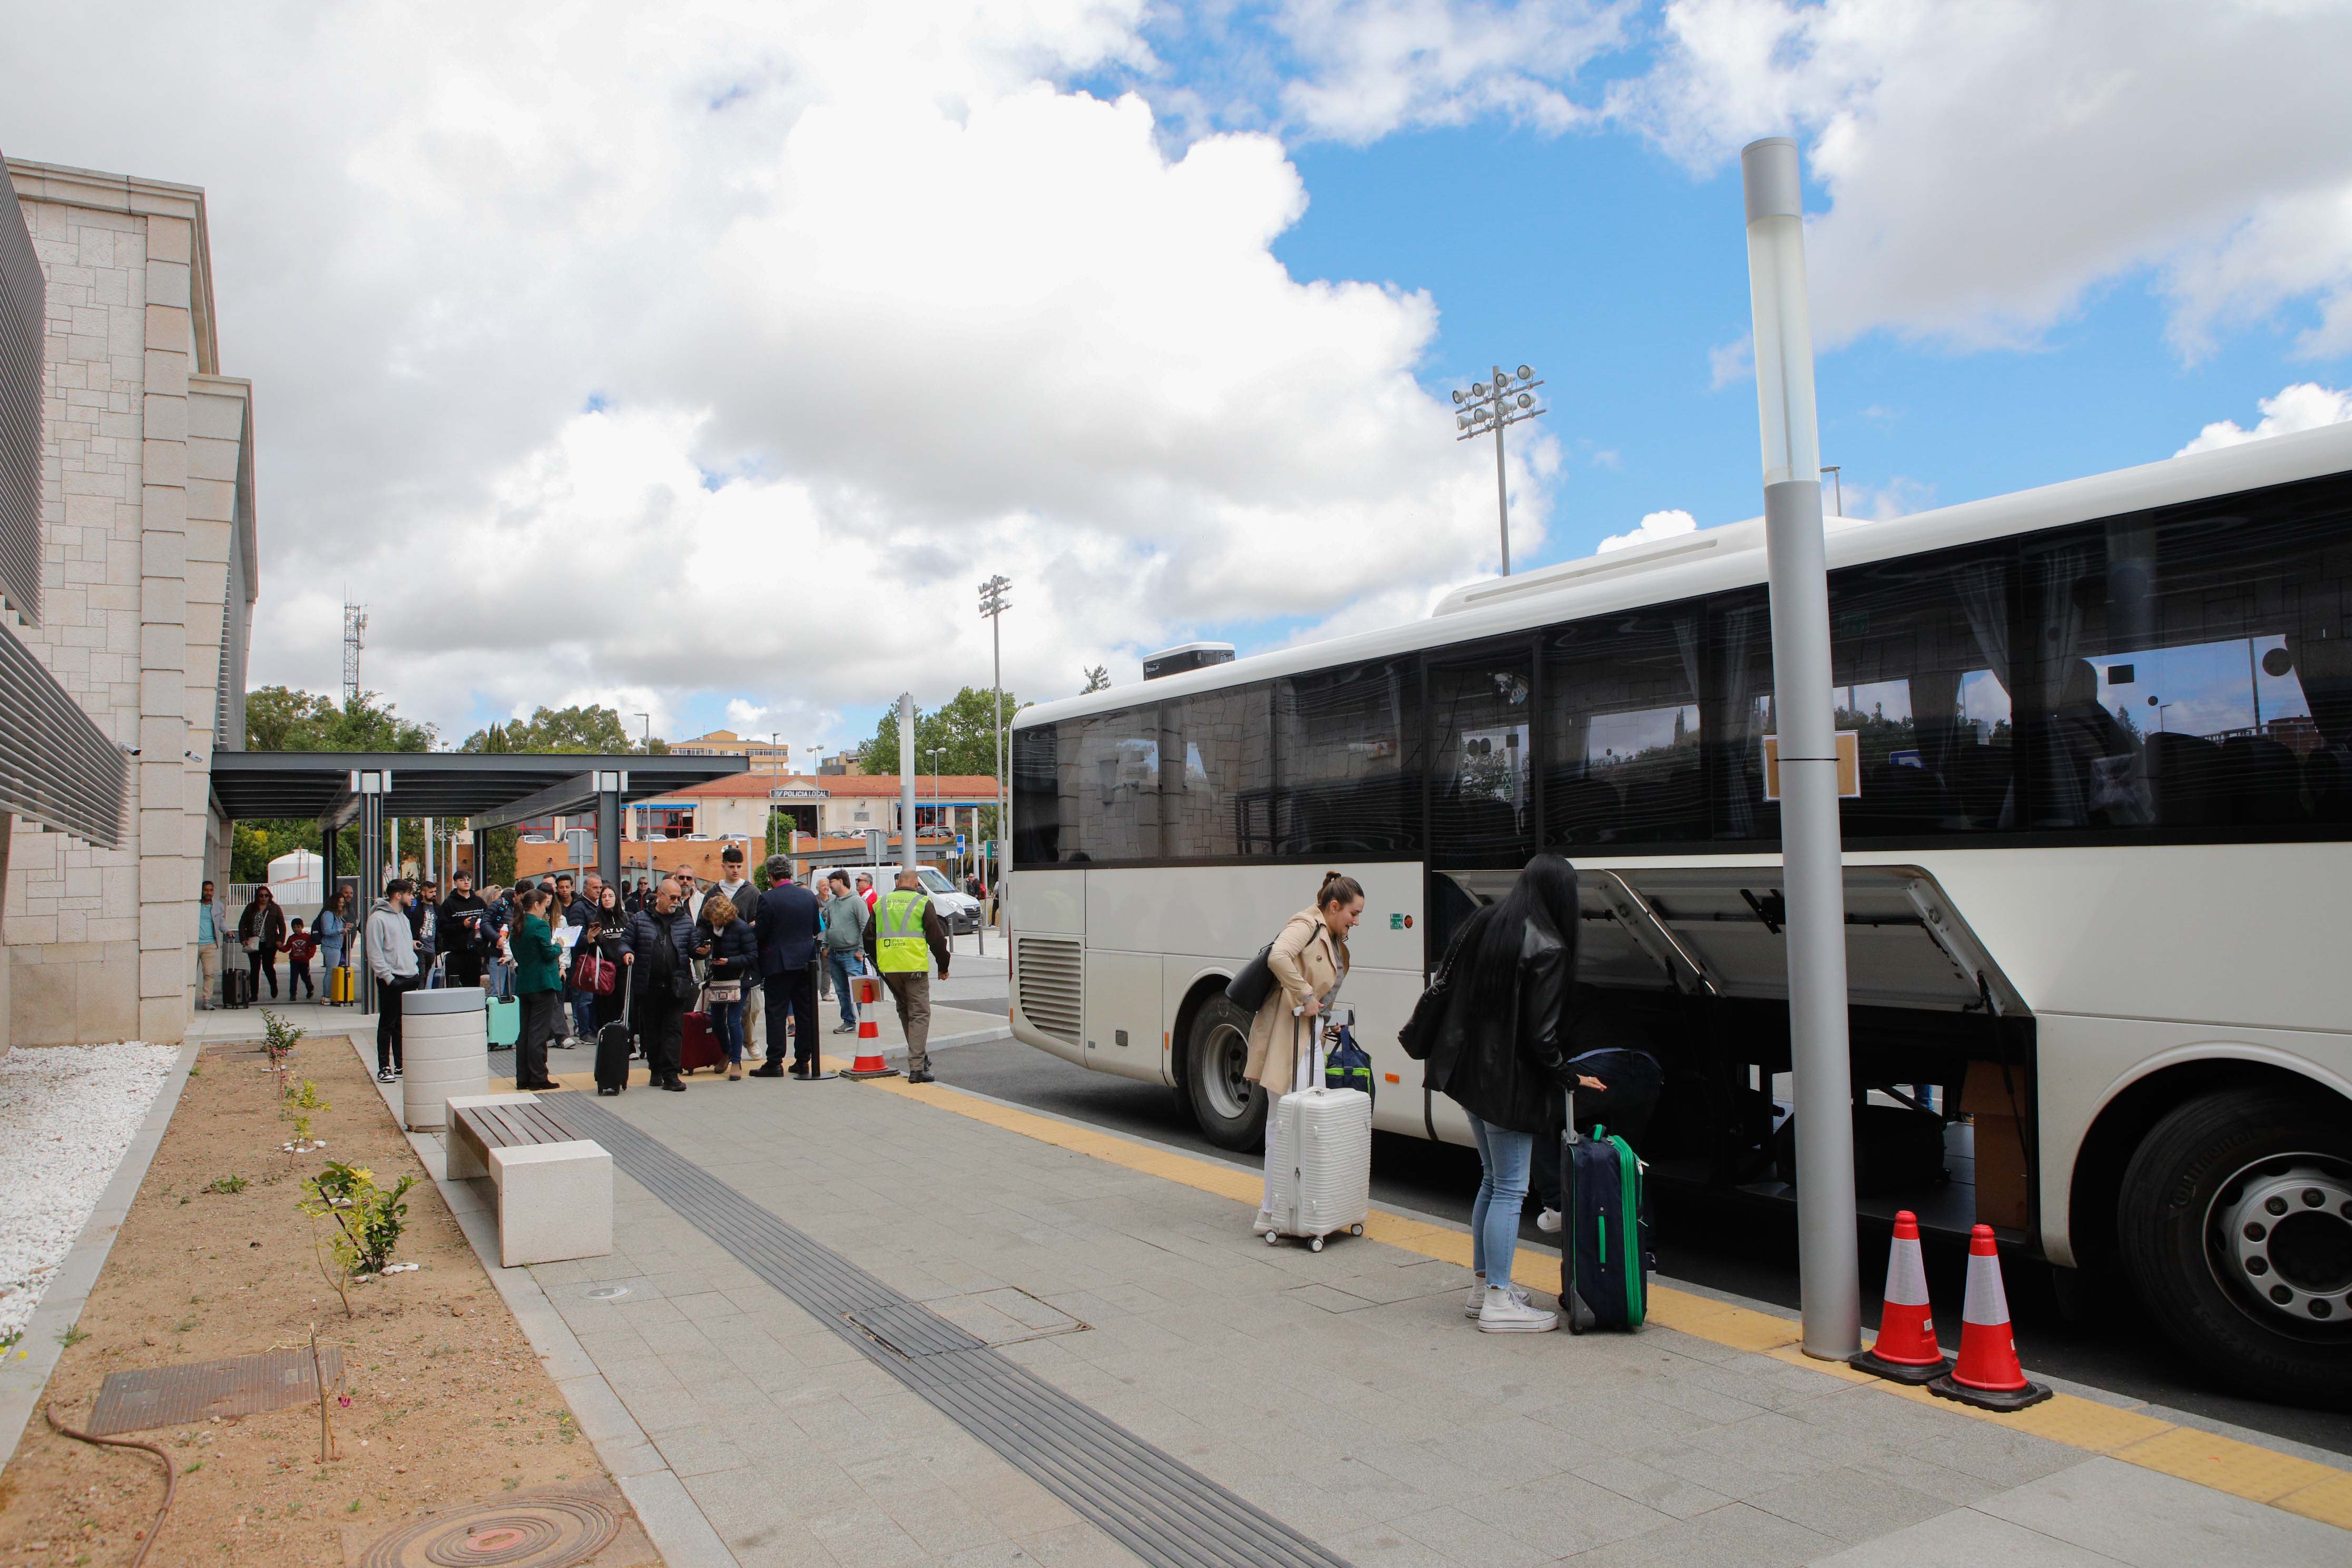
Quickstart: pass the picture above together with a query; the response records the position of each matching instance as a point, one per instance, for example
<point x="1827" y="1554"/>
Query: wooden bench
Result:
<point x="556" y="1191"/>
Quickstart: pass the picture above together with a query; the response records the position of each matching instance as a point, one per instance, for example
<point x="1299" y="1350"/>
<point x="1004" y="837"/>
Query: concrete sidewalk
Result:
<point x="1341" y="1393"/>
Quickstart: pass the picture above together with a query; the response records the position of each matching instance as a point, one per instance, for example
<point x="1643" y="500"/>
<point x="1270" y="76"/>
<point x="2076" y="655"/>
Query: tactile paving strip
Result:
<point x="1153" y="1504"/>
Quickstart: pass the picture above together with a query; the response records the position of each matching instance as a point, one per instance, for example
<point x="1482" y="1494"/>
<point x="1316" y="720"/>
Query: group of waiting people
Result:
<point x="736" y="951"/>
<point x="1499" y="1048"/>
<point x="260" y="934"/>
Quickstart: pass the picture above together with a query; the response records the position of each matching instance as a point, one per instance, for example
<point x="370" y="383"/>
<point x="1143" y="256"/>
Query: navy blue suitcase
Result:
<point x="1604" y="1253"/>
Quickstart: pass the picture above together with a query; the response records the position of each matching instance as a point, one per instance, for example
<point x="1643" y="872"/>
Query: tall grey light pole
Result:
<point x="993" y="604"/>
<point x="645" y="815"/>
<point x="1493" y="406"/>
<point x="1829" y="1275"/>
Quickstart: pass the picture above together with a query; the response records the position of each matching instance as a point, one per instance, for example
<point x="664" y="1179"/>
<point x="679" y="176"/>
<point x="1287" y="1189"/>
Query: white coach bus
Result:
<point x="2098" y="887"/>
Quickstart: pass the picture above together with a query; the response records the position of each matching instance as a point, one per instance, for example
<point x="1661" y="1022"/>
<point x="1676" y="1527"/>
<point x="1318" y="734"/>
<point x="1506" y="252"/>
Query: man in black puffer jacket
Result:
<point x="658" y="951"/>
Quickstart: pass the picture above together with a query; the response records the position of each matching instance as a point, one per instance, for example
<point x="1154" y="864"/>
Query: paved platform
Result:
<point x="1341" y="1396"/>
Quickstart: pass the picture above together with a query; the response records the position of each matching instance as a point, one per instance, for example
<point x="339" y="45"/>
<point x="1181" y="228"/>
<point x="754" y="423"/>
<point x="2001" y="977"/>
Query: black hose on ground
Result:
<point x="171" y="1475"/>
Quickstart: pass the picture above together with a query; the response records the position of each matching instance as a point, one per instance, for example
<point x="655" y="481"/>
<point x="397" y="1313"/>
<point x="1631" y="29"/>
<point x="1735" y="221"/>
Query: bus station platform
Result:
<point x="879" y="1323"/>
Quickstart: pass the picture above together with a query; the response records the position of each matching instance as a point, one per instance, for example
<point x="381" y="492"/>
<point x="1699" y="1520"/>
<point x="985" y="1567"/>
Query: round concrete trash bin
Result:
<point x="444" y="1050"/>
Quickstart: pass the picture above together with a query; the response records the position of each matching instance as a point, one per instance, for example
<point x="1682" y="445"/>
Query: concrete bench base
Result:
<point x="555" y="1202"/>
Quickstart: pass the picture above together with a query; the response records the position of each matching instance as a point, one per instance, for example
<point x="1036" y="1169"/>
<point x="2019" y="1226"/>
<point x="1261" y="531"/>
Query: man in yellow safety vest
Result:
<point x="905" y="925"/>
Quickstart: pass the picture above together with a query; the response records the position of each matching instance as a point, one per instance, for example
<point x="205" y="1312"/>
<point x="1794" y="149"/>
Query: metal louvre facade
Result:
<point x="23" y="301"/>
<point x="57" y="767"/>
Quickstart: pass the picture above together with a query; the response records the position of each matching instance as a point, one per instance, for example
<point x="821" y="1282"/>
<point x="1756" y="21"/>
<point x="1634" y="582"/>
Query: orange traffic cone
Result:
<point x="1906" y="1351"/>
<point x="1988" y="1375"/>
<point x="869" y="1064"/>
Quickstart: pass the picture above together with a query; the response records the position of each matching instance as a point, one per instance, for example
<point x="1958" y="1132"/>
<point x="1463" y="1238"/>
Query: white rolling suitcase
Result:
<point x="1319" y="1150"/>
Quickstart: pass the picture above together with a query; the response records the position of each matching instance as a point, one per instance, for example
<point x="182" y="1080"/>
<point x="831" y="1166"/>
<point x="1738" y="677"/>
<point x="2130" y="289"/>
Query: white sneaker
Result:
<point x="1504" y="1313"/>
<point x="1263" y="1224"/>
<point x="1478" y="1295"/>
<point x="1548" y="1222"/>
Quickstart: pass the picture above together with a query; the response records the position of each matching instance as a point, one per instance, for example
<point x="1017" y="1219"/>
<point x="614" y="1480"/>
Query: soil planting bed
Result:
<point x="447" y="1406"/>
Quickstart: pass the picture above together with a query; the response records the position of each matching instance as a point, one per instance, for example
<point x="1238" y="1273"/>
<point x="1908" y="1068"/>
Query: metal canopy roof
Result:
<point x="317" y="785"/>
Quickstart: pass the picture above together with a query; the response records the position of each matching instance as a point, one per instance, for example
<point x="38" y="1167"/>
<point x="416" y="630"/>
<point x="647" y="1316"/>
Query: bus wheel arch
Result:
<point x="1208" y="1031"/>
<point x="2213" y="1220"/>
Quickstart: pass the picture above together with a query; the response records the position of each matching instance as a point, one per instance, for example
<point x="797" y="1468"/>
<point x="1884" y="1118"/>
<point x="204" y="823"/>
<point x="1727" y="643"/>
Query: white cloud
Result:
<point x="1730" y="363"/>
<point x="634" y="354"/>
<point x="1654" y="527"/>
<point x="1369" y="68"/>
<point x="2305" y="405"/>
<point x="1990" y="165"/>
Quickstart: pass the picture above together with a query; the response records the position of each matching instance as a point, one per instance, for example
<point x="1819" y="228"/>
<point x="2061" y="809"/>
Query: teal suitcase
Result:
<point x="506" y="1022"/>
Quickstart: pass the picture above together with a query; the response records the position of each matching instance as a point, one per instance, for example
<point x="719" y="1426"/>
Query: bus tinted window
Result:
<point x="1347" y="756"/>
<point x="1621" y="761"/>
<point x="1036" y="796"/>
<point x="2194" y="669"/>
<point x="1481" y="801"/>
<point x="1919" y="650"/>
<point x="1216" y="755"/>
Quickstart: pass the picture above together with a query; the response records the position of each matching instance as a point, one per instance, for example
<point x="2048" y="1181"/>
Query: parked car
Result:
<point x="958" y="909"/>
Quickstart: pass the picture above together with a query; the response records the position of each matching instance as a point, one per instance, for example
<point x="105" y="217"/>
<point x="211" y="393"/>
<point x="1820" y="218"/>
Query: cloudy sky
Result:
<point x="701" y="358"/>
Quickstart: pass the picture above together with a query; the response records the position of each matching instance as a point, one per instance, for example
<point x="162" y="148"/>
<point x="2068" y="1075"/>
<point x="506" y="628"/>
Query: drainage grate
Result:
<point x="912" y="1330"/>
<point x="198" y="1391"/>
<point x="1161" y="1509"/>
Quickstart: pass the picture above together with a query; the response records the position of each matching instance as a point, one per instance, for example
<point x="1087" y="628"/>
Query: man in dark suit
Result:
<point x="787" y="927"/>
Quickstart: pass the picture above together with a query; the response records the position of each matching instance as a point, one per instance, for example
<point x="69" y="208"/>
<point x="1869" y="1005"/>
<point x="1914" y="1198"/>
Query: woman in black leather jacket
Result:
<point x="1499" y="1052"/>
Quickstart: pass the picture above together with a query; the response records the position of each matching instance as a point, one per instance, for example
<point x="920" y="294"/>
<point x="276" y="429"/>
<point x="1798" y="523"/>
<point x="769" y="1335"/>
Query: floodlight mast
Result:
<point x="993" y="605"/>
<point x="1494" y="405"/>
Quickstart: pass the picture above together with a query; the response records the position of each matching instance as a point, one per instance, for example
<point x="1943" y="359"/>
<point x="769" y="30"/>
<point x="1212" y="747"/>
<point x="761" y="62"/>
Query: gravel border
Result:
<point x="23" y="1378"/>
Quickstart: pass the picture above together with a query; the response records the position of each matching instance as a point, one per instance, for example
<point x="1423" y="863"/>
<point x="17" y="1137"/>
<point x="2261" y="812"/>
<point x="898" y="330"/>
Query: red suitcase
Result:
<point x="697" y="1043"/>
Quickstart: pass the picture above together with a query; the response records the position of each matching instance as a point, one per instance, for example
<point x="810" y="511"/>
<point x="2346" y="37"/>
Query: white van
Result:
<point x="958" y="908"/>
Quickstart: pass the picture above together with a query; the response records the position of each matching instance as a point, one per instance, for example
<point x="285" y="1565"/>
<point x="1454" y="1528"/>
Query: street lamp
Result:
<point x="645" y="814"/>
<point x="1494" y="405"/>
<point x="993" y="604"/>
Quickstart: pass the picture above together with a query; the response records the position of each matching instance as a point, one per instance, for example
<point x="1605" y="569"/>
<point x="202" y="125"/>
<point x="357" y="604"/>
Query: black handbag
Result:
<point x="1420" y="1031"/>
<point x="1248" y="989"/>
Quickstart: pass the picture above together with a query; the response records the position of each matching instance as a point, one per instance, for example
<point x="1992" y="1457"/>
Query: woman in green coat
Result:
<point x="539" y="988"/>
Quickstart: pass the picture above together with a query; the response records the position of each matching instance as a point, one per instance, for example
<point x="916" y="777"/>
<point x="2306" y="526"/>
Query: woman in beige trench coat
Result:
<point x="1309" y="960"/>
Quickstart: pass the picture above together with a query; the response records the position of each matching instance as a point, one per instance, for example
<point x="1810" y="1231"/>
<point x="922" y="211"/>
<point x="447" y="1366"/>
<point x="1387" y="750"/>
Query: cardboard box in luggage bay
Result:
<point x="2002" y="1196"/>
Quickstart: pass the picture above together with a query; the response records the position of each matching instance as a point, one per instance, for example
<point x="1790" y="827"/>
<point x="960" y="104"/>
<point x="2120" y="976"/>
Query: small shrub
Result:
<point x="226" y="1185"/>
<point x="279" y="1040"/>
<point x="300" y="1105"/>
<point x="366" y="1220"/>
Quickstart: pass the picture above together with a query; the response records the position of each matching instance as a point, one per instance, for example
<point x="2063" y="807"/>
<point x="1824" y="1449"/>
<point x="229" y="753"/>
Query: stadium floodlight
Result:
<point x="1492" y="405"/>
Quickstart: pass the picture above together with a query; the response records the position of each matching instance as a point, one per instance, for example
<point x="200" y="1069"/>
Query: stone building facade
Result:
<point x="150" y="569"/>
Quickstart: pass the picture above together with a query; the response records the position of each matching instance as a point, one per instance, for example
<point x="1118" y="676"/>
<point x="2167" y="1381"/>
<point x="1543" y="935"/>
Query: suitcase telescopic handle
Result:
<point x="1572" y="1136"/>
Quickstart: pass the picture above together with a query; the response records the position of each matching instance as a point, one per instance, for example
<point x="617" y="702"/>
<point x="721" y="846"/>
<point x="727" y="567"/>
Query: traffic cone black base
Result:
<point x="2003" y="1399"/>
<point x="1895" y="1372"/>
<point x="877" y="1072"/>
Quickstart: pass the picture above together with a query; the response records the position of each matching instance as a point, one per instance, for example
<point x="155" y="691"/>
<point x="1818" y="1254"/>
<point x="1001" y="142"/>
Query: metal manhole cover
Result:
<point x="529" y="1530"/>
<point x="155" y="1396"/>
<point x="608" y="1292"/>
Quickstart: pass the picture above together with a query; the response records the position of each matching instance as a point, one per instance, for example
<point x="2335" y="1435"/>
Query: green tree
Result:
<point x="287" y="719"/>
<point x="598" y="730"/>
<point x="964" y="730"/>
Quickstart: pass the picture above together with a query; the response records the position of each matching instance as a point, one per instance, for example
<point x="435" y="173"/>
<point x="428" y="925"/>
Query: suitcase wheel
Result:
<point x="1271" y="1238"/>
<point x="1315" y="1243"/>
<point x="1355" y="1230"/>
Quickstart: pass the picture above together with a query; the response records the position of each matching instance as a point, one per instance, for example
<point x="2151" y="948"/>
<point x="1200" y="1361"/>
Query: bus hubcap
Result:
<point x="2282" y="1227"/>
<point x="1228" y="1058"/>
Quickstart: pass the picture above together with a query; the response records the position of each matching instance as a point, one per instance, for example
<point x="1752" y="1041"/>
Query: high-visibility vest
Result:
<point x="898" y="945"/>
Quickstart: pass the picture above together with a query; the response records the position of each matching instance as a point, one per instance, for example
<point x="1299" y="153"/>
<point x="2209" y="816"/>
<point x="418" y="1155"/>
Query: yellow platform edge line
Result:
<point x="2315" y="1491"/>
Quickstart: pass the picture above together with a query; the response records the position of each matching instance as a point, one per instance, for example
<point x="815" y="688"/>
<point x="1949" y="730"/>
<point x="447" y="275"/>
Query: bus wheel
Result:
<point x="1229" y="1108"/>
<point x="2235" y="1225"/>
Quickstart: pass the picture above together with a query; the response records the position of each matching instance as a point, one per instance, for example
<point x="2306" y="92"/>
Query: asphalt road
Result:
<point x="1745" y="1251"/>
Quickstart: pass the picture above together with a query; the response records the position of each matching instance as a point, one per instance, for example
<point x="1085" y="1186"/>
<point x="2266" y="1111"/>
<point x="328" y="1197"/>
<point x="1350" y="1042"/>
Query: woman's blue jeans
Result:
<point x="726" y="1023"/>
<point x="1504" y="1158"/>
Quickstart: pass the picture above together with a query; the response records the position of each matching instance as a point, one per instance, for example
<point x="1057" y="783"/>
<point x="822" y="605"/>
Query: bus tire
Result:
<point x="1230" y="1110"/>
<point x="2229" y="1254"/>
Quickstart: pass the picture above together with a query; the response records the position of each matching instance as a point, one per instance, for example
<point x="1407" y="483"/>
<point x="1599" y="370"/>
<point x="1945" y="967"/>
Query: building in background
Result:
<point x="767" y="757"/>
<point x="148" y="569"/>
